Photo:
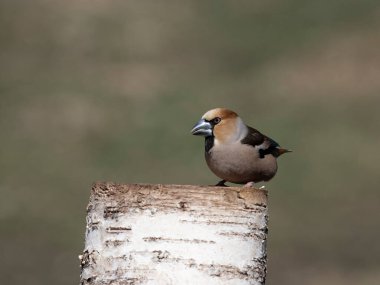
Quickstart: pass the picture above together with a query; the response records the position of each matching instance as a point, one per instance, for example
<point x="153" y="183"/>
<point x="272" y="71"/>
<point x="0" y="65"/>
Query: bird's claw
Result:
<point x="221" y="183"/>
<point x="249" y="185"/>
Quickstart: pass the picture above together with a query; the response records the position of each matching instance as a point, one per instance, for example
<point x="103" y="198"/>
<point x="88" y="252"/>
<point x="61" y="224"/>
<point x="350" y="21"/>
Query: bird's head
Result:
<point x="222" y="124"/>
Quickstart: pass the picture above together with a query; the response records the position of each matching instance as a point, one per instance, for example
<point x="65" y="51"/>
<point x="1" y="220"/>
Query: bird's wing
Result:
<point x="262" y="143"/>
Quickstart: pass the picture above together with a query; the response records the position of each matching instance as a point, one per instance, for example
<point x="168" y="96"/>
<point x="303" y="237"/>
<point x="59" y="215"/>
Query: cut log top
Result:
<point x="180" y="196"/>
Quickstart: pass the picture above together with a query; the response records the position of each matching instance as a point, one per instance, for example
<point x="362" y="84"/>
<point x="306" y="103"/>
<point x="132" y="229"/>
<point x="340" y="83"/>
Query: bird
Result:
<point x="235" y="152"/>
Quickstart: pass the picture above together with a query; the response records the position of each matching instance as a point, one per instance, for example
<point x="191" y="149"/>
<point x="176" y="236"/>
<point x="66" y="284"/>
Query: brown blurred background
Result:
<point x="108" y="90"/>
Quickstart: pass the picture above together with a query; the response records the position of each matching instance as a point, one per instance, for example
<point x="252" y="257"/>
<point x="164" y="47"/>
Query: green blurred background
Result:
<point x="108" y="90"/>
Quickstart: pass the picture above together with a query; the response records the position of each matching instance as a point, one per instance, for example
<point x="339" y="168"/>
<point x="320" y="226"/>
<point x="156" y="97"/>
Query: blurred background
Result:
<point x="108" y="90"/>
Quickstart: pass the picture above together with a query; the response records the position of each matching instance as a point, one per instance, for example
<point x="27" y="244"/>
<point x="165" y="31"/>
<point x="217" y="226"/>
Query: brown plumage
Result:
<point x="235" y="152"/>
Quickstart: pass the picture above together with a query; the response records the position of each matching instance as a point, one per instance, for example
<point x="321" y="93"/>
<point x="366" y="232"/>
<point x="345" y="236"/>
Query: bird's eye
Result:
<point x="216" y="120"/>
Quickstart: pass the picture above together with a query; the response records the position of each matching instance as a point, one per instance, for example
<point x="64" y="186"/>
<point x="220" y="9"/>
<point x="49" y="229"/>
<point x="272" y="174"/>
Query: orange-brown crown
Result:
<point x="222" y="113"/>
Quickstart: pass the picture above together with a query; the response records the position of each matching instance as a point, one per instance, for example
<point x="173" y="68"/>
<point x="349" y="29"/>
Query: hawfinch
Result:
<point x="236" y="152"/>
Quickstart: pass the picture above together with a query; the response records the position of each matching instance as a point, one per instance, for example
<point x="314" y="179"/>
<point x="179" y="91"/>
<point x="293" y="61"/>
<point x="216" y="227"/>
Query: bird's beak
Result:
<point x="202" y="128"/>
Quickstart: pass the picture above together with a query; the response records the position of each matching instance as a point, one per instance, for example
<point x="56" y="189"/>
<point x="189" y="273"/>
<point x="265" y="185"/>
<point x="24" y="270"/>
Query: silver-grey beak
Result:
<point x="202" y="128"/>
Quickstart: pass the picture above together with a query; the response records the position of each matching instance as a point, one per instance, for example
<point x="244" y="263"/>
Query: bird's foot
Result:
<point x="221" y="183"/>
<point x="250" y="184"/>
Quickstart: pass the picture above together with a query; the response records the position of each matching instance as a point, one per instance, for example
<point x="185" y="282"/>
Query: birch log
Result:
<point x="175" y="234"/>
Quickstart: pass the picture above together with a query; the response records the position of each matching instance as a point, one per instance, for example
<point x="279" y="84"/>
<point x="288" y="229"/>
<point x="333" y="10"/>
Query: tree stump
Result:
<point x="175" y="234"/>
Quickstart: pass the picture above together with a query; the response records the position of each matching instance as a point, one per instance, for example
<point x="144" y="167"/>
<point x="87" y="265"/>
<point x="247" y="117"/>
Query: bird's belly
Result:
<point x="241" y="166"/>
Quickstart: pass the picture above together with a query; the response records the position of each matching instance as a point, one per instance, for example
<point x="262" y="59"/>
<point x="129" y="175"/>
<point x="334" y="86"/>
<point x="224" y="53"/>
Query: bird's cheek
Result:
<point x="221" y="133"/>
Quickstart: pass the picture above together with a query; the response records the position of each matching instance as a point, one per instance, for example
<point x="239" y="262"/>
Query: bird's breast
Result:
<point x="239" y="163"/>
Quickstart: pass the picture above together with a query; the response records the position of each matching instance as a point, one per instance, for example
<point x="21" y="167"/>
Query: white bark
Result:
<point x="175" y="234"/>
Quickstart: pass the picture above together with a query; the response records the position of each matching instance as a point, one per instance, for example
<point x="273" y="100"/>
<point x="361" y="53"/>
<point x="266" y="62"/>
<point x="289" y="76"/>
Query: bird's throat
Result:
<point x="209" y="143"/>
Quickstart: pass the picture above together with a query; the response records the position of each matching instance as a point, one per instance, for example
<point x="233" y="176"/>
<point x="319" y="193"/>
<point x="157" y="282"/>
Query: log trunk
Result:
<point x="175" y="234"/>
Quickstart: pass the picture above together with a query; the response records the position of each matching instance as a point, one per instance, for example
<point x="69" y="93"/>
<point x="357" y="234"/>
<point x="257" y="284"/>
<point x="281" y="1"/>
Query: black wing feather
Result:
<point x="267" y="145"/>
<point x="253" y="138"/>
